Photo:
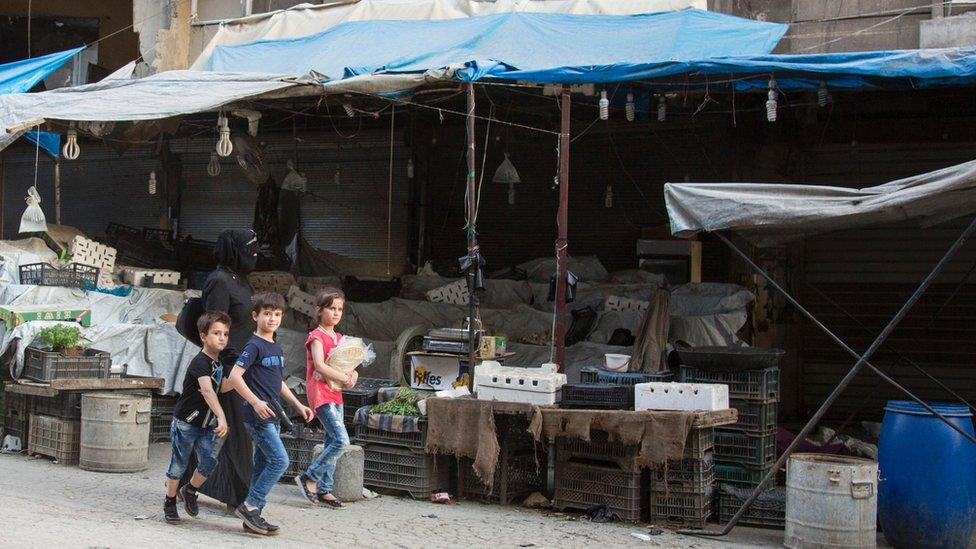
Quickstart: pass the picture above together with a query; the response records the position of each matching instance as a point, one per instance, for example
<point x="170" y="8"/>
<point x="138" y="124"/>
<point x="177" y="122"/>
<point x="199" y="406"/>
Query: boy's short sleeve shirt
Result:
<point x="263" y="364"/>
<point x="191" y="406"/>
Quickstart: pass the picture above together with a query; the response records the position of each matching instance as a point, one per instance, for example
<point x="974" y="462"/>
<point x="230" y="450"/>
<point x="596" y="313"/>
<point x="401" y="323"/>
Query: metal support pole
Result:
<point x="472" y="208"/>
<point x="861" y="361"/>
<point x="562" y="240"/>
<point x="57" y="190"/>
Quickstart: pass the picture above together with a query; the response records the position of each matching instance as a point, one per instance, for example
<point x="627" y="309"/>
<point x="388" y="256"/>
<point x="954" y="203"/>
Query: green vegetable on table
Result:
<point x="403" y="404"/>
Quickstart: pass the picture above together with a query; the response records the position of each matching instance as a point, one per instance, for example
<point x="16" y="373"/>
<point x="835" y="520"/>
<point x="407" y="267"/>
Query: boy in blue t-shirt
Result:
<point x="258" y="377"/>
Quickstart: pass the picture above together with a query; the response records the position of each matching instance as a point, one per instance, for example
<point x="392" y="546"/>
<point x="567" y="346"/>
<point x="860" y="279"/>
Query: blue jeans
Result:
<point x="270" y="460"/>
<point x="336" y="439"/>
<point x="188" y="439"/>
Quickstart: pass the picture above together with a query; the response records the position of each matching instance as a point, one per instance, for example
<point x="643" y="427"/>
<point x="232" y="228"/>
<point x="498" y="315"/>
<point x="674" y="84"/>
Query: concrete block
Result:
<point x="348" y="479"/>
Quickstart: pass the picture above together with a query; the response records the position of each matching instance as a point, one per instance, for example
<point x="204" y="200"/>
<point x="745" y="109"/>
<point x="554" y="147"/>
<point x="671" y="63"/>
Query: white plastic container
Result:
<point x="658" y="395"/>
<point x="137" y="276"/>
<point x="616" y="363"/>
<point x="542" y="385"/>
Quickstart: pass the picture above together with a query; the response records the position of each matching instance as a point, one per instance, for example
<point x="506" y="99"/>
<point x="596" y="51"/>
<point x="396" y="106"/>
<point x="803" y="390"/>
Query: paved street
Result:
<point x="47" y="505"/>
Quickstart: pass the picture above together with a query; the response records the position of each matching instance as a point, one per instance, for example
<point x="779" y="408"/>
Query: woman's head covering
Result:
<point x="237" y="250"/>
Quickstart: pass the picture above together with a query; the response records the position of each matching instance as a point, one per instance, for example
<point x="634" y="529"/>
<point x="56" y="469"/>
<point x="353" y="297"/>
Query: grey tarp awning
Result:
<point x="768" y="214"/>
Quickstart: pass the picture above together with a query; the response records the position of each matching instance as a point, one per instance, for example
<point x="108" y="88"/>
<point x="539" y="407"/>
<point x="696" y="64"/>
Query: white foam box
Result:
<point x="92" y="253"/>
<point x="302" y="302"/>
<point x="542" y="385"/>
<point x="688" y="397"/>
<point x="138" y="276"/>
<point x="455" y="293"/>
<point x="437" y="371"/>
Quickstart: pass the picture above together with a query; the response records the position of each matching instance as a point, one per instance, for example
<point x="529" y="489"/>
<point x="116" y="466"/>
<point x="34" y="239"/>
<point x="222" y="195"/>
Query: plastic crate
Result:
<point x="739" y="475"/>
<point x="589" y="374"/>
<point x="516" y="477"/>
<point x="754" y="416"/>
<point x="40" y="365"/>
<point x="66" y="405"/>
<point x="752" y="450"/>
<point x="768" y="510"/>
<point x="681" y="509"/>
<point x="403" y="470"/>
<point x="16" y="416"/>
<point x="56" y="438"/>
<point x="161" y="417"/>
<point x="163" y="404"/>
<point x="365" y="393"/>
<point x="413" y="441"/>
<point x="74" y="275"/>
<point x="746" y="384"/>
<point x="300" y="449"/>
<point x="699" y="442"/>
<point x="114" y="230"/>
<point x="585" y="485"/>
<point x="684" y="475"/>
<point x="162" y="235"/>
<point x="597" y="396"/>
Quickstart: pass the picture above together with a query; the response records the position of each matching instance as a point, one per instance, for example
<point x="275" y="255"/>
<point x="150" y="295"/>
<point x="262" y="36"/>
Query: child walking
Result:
<point x="197" y="417"/>
<point x="257" y="377"/>
<point x="316" y="482"/>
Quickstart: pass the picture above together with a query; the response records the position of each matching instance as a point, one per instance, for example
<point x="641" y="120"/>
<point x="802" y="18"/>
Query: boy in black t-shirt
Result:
<point x="257" y="377"/>
<point x="197" y="416"/>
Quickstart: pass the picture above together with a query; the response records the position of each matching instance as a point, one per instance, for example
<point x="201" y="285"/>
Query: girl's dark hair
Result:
<point x="326" y="296"/>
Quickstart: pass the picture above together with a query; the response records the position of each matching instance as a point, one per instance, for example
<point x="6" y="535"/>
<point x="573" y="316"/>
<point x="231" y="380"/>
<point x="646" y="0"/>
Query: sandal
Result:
<point x="301" y="481"/>
<point x="333" y="503"/>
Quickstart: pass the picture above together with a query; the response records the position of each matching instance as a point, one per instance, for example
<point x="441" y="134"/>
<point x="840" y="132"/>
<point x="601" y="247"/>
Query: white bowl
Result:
<point x="615" y="362"/>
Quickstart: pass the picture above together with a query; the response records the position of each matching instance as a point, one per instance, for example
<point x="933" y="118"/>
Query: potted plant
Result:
<point x="64" y="339"/>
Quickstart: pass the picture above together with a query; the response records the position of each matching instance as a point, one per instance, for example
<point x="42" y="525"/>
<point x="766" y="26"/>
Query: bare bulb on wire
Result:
<point x="213" y="167"/>
<point x="608" y="197"/>
<point x="71" y="150"/>
<point x="772" y="105"/>
<point x="823" y="94"/>
<point x="604" y="106"/>
<point x="410" y="171"/>
<point x="629" y="108"/>
<point x="350" y="112"/>
<point x="662" y="109"/>
<point x="224" y="145"/>
<point x="152" y="182"/>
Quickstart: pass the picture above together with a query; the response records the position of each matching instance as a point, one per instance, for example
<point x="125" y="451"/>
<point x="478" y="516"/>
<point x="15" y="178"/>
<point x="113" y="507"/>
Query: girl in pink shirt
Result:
<point x="316" y="482"/>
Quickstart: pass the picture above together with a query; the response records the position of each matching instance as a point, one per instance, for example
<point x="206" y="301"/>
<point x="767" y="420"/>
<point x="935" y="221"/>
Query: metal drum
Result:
<point x="831" y="501"/>
<point x="115" y="432"/>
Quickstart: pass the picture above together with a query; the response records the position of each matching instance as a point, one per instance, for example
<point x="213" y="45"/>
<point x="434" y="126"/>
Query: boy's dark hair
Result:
<point x="268" y="300"/>
<point x="209" y="318"/>
<point x="327" y="296"/>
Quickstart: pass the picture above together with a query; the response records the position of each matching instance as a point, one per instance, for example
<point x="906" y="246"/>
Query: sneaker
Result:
<point x="170" y="512"/>
<point x="189" y="500"/>
<point x="301" y="481"/>
<point x="252" y="520"/>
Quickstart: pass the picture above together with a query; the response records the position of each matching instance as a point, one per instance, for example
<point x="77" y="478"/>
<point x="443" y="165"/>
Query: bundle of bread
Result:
<point x="347" y="355"/>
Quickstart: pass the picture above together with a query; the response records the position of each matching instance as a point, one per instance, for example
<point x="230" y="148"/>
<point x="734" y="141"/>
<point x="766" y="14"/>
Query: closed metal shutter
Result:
<point x="870" y="273"/>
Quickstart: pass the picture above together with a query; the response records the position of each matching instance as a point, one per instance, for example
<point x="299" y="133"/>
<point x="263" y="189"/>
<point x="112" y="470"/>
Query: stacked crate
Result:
<point x="300" y="447"/>
<point x="55" y="437"/>
<point x="160" y="417"/>
<point x="520" y="470"/>
<point x="398" y="462"/>
<point x="365" y="393"/>
<point x="745" y="451"/>
<point x="16" y="416"/>
<point x="682" y="491"/>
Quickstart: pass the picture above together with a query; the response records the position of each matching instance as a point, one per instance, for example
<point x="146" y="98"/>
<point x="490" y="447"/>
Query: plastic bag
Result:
<point x="33" y="220"/>
<point x="346" y="356"/>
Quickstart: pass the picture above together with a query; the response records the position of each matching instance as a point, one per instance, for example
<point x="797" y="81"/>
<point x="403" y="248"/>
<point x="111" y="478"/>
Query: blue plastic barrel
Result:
<point x="927" y="492"/>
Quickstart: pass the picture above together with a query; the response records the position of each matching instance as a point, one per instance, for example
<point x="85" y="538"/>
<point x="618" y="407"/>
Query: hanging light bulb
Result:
<point x="629" y="107"/>
<point x="350" y="112"/>
<point x="224" y="145"/>
<point x="213" y="168"/>
<point x="152" y="182"/>
<point x="823" y="95"/>
<point x="506" y="173"/>
<point x="410" y="168"/>
<point x="662" y="108"/>
<point x="771" y="103"/>
<point x="336" y="178"/>
<point x="604" y="106"/>
<point x="608" y="197"/>
<point x="71" y="150"/>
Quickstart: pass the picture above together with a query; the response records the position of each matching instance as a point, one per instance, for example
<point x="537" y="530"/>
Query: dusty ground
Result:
<point x="47" y="505"/>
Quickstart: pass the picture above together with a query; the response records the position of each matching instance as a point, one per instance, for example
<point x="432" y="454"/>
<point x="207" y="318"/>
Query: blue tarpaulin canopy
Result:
<point x="21" y="76"/>
<point x="49" y="142"/>
<point x="539" y="47"/>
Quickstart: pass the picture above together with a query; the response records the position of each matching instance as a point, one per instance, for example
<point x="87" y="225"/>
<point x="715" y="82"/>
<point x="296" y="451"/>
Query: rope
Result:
<point x="389" y="202"/>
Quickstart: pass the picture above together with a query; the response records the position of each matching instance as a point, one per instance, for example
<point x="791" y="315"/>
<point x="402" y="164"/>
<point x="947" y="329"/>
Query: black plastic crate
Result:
<point x="299" y="447"/>
<point x="114" y="230"/>
<point x="44" y="366"/>
<point x="73" y="275"/>
<point x="685" y="475"/>
<point x="589" y="374"/>
<point x="16" y="416"/>
<point x="583" y="486"/>
<point x="406" y="471"/>
<point x="413" y="441"/>
<point x="163" y="404"/>
<point x="162" y="235"/>
<point x="699" y="442"/>
<point x="739" y="475"/>
<point x="769" y="509"/>
<point x="751" y="450"/>
<point x="597" y="396"/>
<point x="159" y="427"/>
<point x="517" y="475"/>
<point x="746" y="384"/>
<point x="681" y="509"/>
<point x="65" y="405"/>
<point x="754" y="416"/>
<point x="365" y="393"/>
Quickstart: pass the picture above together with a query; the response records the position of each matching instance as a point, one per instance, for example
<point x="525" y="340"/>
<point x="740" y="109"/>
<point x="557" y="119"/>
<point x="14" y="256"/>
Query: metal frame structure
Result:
<point x="860" y="361"/>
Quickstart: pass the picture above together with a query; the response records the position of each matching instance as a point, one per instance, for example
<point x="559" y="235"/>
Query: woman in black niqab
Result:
<point x="227" y="290"/>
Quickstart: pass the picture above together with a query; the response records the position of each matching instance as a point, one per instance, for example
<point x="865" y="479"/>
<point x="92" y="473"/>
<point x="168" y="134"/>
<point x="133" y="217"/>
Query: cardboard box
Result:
<point x="438" y="371"/>
<point x="15" y="315"/>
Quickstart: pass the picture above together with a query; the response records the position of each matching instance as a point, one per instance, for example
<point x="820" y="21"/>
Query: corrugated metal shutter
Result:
<point x="349" y="218"/>
<point x="871" y="273"/>
<point x="98" y="187"/>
